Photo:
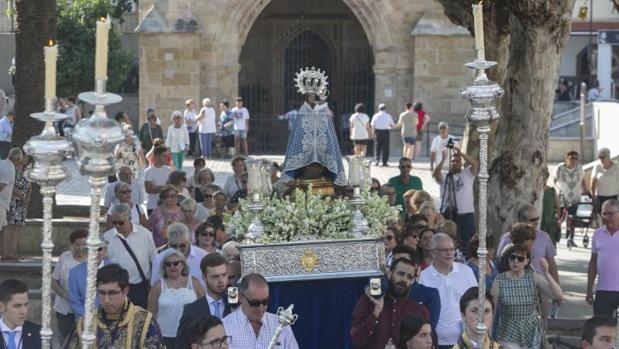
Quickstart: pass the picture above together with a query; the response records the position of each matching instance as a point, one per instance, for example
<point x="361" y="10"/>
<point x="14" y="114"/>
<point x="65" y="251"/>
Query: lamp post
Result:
<point x="482" y="95"/>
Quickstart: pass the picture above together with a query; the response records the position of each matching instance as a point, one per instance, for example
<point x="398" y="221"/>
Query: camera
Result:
<point x="450" y="143"/>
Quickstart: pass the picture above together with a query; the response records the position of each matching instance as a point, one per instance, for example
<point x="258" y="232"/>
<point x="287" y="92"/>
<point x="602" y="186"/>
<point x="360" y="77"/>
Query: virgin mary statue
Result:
<point x="313" y="151"/>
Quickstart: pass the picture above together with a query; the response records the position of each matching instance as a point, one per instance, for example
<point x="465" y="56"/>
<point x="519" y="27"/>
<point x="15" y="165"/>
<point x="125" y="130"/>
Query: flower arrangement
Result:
<point x="307" y="216"/>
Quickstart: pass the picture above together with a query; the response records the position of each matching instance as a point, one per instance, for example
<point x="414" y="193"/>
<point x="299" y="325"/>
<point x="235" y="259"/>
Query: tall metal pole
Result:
<point x="583" y="103"/>
<point x="48" y="151"/>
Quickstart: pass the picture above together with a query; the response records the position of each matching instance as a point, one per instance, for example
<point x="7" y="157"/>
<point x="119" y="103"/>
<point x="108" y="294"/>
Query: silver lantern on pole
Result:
<point x="254" y="191"/>
<point x="355" y="179"/>
<point x="482" y="95"/>
<point x="48" y="151"/>
<point x="95" y="139"/>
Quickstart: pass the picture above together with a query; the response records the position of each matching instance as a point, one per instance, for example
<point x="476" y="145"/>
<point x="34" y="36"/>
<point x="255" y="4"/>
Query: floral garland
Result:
<point x="308" y="216"/>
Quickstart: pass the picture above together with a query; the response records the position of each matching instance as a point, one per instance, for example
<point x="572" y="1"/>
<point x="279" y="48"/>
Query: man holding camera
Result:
<point x="457" y="198"/>
<point x="376" y="319"/>
<point x="439" y="143"/>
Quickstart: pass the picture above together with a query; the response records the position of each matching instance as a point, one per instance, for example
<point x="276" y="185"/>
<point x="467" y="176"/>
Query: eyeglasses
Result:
<point x="167" y="196"/>
<point x="177" y="246"/>
<point x="208" y="233"/>
<point x="516" y="258"/>
<point x="118" y="223"/>
<point x="608" y="214"/>
<point x="100" y="249"/>
<point x="389" y="237"/>
<point x="219" y="342"/>
<point x="111" y="293"/>
<point x="208" y="196"/>
<point x="533" y="220"/>
<point x="173" y="263"/>
<point x="128" y="191"/>
<point x="256" y="303"/>
<point x="573" y="157"/>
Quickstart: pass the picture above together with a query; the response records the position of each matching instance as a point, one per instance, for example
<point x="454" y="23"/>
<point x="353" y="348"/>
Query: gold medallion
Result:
<point x="309" y="260"/>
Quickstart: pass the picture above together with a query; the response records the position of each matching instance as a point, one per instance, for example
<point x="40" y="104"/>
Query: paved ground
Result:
<point x="572" y="263"/>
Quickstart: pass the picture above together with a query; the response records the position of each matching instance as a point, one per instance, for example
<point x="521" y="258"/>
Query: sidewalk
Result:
<point x="572" y="263"/>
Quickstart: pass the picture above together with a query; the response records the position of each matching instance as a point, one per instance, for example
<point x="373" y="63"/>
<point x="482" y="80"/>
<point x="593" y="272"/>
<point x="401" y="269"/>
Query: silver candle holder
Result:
<point x="48" y="151"/>
<point x="255" y="184"/>
<point x="285" y="318"/>
<point x="95" y="139"/>
<point x="255" y="229"/>
<point x="356" y="177"/>
<point x="482" y="95"/>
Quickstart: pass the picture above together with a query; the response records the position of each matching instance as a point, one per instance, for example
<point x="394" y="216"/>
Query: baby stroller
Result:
<point x="580" y="215"/>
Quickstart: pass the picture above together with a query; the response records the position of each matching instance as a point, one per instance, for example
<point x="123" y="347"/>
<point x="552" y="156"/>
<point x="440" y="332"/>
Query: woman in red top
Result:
<point x="422" y="120"/>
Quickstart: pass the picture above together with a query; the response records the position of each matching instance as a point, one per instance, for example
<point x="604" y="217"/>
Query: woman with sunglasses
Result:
<point x="205" y="237"/>
<point x="390" y="240"/>
<point x="167" y="297"/>
<point x="415" y="333"/>
<point x="516" y="291"/>
<point x="164" y="214"/>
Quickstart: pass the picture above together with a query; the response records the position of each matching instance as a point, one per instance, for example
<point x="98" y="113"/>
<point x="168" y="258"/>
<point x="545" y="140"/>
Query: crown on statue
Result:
<point x="312" y="81"/>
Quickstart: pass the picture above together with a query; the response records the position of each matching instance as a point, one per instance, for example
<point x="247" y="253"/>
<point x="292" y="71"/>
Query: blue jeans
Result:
<point x="206" y="140"/>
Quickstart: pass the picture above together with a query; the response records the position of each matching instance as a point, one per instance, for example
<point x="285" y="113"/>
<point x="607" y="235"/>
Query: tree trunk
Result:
<point x="539" y="31"/>
<point x="36" y="24"/>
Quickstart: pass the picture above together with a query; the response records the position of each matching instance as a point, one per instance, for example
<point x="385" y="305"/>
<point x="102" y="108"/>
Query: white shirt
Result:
<point x="208" y="123"/>
<point x="438" y="145"/>
<point x="61" y="274"/>
<point x="211" y="306"/>
<point x="463" y="185"/>
<point x="231" y="186"/>
<point x="450" y="288"/>
<point x="608" y="180"/>
<point x="359" y="127"/>
<point x="201" y="213"/>
<point x="137" y="193"/>
<point x="382" y="121"/>
<point x="5" y="333"/>
<point x="7" y="176"/>
<point x="193" y="262"/>
<point x="141" y="242"/>
<point x="177" y="139"/>
<point x="240" y="115"/>
<point x="135" y="213"/>
<point x="238" y="326"/>
<point x="190" y="120"/>
<point x="157" y="176"/>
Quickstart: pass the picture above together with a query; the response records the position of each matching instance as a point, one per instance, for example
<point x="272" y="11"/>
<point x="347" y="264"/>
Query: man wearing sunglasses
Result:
<point x="119" y="323"/>
<point x="131" y="246"/>
<point x="404" y="182"/>
<point x="604" y="262"/>
<point x="251" y="326"/>
<point x="179" y="239"/>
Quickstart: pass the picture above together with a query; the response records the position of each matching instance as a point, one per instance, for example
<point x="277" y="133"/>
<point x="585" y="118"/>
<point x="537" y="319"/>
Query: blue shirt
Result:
<point x="77" y="288"/>
<point x="6" y="129"/>
<point x="429" y="297"/>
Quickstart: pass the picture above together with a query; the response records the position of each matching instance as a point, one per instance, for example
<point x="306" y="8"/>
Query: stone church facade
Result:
<point x="387" y="51"/>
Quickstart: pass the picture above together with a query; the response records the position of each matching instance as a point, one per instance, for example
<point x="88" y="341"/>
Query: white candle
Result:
<point x="478" y="17"/>
<point x="353" y="172"/>
<point x="51" y="54"/>
<point x="253" y="175"/>
<point x="103" y="29"/>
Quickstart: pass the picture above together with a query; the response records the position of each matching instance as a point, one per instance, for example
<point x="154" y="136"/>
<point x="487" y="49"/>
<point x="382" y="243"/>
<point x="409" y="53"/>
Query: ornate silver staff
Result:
<point x="286" y="318"/>
<point x="49" y="151"/>
<point x="482" y="95"/>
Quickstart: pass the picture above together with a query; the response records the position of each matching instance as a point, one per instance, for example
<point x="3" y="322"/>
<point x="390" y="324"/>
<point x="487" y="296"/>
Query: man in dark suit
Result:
<point x="17" y="332"/>
<point x="215" y="273"/>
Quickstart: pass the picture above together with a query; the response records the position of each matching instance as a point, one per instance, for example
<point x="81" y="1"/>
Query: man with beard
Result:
<point x="376" y="321"/>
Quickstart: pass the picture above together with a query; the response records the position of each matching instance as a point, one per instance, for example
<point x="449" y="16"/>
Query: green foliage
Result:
<point x="76" y="26"/>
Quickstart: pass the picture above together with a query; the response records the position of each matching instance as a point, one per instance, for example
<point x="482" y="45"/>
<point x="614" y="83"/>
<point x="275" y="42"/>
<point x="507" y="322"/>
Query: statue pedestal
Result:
<point x="320" y="187"/>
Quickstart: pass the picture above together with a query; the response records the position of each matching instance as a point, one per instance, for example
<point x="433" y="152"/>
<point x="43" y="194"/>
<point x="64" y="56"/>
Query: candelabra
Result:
<point x="285" y="318"/>
<point x="360" y="224"/>
<point x="482" y="95"/>
<point x="254" y="188"/>
<point x="95" y="139"/>
<point x="48" y="151"/>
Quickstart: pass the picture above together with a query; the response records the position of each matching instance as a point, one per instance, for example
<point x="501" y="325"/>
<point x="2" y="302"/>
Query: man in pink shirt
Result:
<point x="604" y="262"/>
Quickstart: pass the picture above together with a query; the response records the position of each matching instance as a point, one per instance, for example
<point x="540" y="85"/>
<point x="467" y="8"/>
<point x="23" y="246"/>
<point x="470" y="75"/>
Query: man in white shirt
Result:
<point x="8" y="235"/>
<point x="451" y="279"/>
<point x="241" y="126"/>
<point x="6" y="134"/>
<point x="124" y="174"/>
<point x="178" y="238"/>
<point x="251" y="326"/>
<point x="439" y="143"/>
<point x="605" y="179"/>
<point x="155" y="178"/>
<point x="15" y="331"/>
<point x="132" y="247"/>
<point x="382" y="123"/>
<point x="215" y="272"/>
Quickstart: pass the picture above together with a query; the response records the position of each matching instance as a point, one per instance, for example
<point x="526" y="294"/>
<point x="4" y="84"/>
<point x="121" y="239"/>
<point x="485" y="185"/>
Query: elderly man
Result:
<point x="215" y="273"/>
<point x="382" y="123"/>
<point x="251" y="326"/>
<point x="600" y="332"/>
<point x="404" y="182"/>
<point x="451" y="279"/>
<point x="542" y="246"/>
<point x="376" y="321"/>
<point x="439" y="143"/>
<point x="604" y="262"/>
<point x="132" y="247"/>
<point x="179" y="238"/>
<point x="457" y="198"/>
<point x="605" y="179"/>
<point x="125" y="174"/>
<point x="119" y="323"/>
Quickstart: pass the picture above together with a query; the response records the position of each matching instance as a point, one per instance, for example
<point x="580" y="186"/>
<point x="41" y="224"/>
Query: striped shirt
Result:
<point x="238" y="326"/>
